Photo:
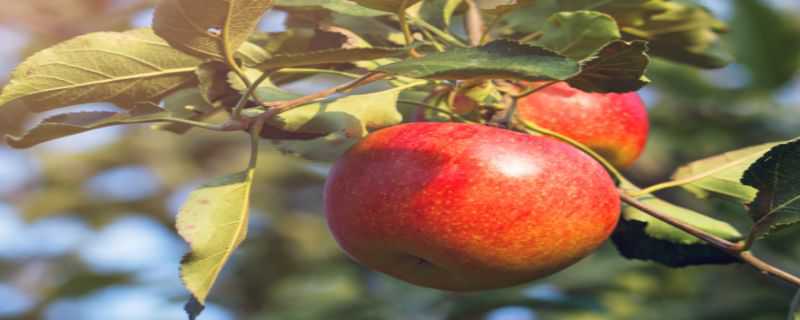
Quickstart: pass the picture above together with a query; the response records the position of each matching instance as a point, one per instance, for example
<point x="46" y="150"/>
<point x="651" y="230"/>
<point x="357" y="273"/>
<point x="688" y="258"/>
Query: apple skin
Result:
<point x="613" y="124"/>
<point x="464" y="207"/>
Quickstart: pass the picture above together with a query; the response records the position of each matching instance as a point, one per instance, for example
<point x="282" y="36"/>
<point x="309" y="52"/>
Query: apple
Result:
<point x="613" y="124"/>
<point x="465" y="207"/>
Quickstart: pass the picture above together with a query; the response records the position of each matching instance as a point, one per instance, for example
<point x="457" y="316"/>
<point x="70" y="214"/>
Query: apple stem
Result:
<point x="737" y="250"/>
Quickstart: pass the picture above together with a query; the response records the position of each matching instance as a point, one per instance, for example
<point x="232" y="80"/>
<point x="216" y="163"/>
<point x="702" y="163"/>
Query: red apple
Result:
<point x="613" y="124"/>
<point x="468" y="207"/>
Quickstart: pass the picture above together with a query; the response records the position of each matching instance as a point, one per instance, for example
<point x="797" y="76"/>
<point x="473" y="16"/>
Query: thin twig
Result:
<point x="443" y="35"/>
<point x="403" y="17"/>
<point x="282" y="106"/>
<point x="725" y="245"/>
<point x="251" y="89"/>
<point x="228" y="51"/>
<point x="255" y="138"/>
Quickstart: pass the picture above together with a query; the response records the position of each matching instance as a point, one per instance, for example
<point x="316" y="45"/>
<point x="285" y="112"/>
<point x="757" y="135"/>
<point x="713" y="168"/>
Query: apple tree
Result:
<point x="565" y="71"/>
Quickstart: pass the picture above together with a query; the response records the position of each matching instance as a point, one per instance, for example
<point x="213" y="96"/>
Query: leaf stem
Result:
<point x="228" y="51"/>
<point x="446" y="37"/>
<point x="734" y="249"/>
<point x="535" y="90"/>
<point x="255" y="138"/>
<point x="197" y="124"/>
<point x="251" y="88"/>
<point x="402" y="15"/>
<point x="278" y="107"/>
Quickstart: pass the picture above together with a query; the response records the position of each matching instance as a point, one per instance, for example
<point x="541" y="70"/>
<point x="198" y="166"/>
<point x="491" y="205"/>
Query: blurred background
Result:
<point x="86" y="223"/>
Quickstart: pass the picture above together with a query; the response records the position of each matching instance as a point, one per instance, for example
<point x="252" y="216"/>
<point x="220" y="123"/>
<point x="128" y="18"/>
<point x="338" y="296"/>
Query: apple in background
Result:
<point x="466" y="207"/>
<point x="613" y="124"/>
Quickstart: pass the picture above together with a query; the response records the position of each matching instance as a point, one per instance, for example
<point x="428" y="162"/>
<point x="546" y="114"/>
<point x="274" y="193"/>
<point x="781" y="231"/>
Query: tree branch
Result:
<point x="733" y="249"/>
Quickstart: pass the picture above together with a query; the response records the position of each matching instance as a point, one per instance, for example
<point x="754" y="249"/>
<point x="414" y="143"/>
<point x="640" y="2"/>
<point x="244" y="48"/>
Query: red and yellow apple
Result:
<point x="465" y="207"/>
<point x="613" y="124"/>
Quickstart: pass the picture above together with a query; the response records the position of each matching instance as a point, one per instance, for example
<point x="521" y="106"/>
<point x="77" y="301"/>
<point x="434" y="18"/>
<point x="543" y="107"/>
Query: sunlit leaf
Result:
<point x="340" y="122"/>
<point x="578" y="34"/>
<point x="776" y="175"/>
<point x="213" y="221"/>
<point x="197" y="26"/>
<point x="119" y="67"/>
<point x="722" y="174"/>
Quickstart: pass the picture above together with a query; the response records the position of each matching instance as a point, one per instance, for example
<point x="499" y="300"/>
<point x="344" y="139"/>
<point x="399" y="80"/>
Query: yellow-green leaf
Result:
<point x="343" y="122"/>
<point x="214" y="222"/>
<point x="578" y="34"/>
<point x="119" y="67"/>
<point x="722" y="174"/>
<point x="197" y="26"/>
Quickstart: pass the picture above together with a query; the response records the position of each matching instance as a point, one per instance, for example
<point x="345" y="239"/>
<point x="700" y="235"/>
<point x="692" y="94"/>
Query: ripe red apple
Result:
<point x="613" y="124"/>
<point x="468" y="207"/>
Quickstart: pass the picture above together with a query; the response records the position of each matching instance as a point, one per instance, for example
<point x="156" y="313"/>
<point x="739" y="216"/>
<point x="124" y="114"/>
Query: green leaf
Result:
<point x="119" y="67"/>
<point x="213" y="84"/>
<point x="266" y="90"/>
<point x="497" y="60"/>
<point x="776" y="175"/>
<point x="439" y="12"/>
<point x="393" y="6"/>
<point x="186" y="104"/>
<point x="214" y="223"/>
<point x="578" y="34"/>
<point x="252" y="54"/>
<point x="341" y="122"/>
<point x="339" y="6"/>
<point x="197" y="26"/>
<point x="722" y="174"/>
<point x="68" y="124"/>
<point x="640" y="236"/>
<point x="617" y="67"/>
